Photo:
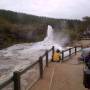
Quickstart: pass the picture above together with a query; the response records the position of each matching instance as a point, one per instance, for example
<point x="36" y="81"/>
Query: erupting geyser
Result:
<point x="19" y="55"/>
<point x="48" y="42"/>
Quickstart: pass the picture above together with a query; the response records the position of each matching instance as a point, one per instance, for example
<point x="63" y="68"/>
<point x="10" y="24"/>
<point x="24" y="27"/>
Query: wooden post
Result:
<point x="81" y="47"/>
<point x="62" y="56"/>
<point x="75" y="50"/>
<point x="16" y="78"/>
<point x="47" y="58"/>
<point x="41" y="67"/>
<point x="53" y="50"/>
<point x="69" y="52"/>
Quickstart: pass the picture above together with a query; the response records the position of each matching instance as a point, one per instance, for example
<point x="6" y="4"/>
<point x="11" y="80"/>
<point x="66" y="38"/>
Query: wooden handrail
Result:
<point x="28" y="67"/>
<point x="69" y="50"/>
<point x="5" y="83"/>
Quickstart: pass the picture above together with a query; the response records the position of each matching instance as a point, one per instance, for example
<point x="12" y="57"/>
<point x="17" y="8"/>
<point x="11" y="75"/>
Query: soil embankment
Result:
<point x="84" y="43"/>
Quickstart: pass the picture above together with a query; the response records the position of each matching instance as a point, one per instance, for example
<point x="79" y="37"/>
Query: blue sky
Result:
<point x="71" y="9"/>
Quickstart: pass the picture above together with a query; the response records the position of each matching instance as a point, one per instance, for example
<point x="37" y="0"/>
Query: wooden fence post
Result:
<point x="62" y="55"/>
<point x="16" y="78"/>
<point x="75" y="50"/>
<point x="53" y="50"/>
<point x="41" y="67"/>
<point x="47" y="58"/>
<point x="69" y="52"/>
<point x="81" y="46"/>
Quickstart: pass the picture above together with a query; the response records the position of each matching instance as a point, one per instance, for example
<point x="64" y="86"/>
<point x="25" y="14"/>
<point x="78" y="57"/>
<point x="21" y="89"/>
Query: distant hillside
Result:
<point x="19" y="18"/>
<point x="19" y="27"/>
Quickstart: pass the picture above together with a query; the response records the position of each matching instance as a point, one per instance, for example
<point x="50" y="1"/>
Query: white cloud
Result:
<point x="51" y="8"/>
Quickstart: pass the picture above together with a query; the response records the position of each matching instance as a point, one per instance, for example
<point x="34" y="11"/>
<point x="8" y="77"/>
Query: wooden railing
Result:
<point x="66" y="54"/>
<point x="16" y="78"/>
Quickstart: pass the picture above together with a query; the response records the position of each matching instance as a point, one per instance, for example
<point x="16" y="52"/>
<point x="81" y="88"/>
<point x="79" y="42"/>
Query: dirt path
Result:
<point x="65" y="76"/>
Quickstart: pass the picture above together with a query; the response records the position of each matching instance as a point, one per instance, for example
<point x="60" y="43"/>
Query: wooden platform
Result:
<point x="62" y="76"/>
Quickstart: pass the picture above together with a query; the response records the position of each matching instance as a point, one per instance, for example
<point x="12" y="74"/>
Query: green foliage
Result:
<point x="19" y="27"/>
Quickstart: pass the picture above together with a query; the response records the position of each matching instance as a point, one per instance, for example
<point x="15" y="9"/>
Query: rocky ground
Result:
<point x="84" y="43"/>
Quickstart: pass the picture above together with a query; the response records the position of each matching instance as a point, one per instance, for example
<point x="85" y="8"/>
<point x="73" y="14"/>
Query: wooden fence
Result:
<point x="16" y="78"/>
<point x="66" y="54"/>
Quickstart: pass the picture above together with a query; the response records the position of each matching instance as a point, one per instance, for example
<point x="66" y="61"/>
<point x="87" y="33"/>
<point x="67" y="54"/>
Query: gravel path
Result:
<point x="65" y="76"/>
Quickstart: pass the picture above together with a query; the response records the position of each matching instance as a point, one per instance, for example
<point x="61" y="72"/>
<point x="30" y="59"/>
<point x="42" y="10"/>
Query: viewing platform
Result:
<point x="47" y="75"/>
<point x="62" y="76"/>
